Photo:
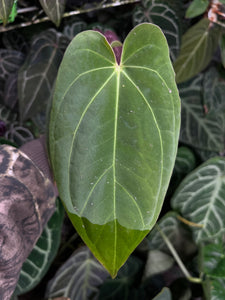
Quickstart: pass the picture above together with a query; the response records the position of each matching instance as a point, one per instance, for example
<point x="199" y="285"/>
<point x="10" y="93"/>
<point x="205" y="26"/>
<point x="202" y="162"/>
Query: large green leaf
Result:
<point x="154" y="11"/>
<point x="113" y="138"/>
<point x="5" y="9"/>
<point x="43" y="253"/>
<point x="197" y="47"/>
<point x="54" y="9"/>
<point x="200" y="129"/>
<point x="201" y="199"/>
<point x="78" y="278"/>
<point x="37" y="75"/>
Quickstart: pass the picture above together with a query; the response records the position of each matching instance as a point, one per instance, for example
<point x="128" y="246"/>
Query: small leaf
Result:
<point x="157" y="262"/>
<point x="201" y="198"/>
<point x="197" y="47"/>
<point x="200" y="130"/>
<point x="43" y="253"/>
<point x="54" y="9"/>
<point x="154" y="11"/>
<point x="78" y="278"/>
<point x="165" y="294"/>
<point x="196" y="8"/>
<point x="119" y="126"/>
<point x="213" y="259"/>
<point x="37" y="76"/>
<point x="5" y="10"/>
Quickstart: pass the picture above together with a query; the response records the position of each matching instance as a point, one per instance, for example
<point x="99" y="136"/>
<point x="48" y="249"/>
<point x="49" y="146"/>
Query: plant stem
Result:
<point x="177" y="258"/>
<point x="68" y="14"/>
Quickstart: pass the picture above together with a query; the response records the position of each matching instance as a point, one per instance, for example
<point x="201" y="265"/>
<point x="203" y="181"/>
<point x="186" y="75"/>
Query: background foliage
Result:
<point x="192" y="218"/>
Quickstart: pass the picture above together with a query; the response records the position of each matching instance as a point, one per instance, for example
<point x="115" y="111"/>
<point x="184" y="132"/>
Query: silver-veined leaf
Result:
<point x="185" y="163"/>
<point x="201" y="130"/>
<point x="78" y="278"/>
<point x="113" y="138"/>
<point x="154" y="11"/>
<point x="43" y="253"/>
<point x="197" y="47"/>
<point x="10" y="62"/>
<point x="37" y="75"/>
<point x="54" y="9"/>
<point x="201" y="198"/>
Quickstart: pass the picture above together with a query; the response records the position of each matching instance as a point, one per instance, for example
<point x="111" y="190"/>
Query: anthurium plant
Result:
<point x="125" y="102"/>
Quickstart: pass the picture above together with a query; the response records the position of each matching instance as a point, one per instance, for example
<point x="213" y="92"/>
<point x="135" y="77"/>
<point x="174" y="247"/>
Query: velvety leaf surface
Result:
<point x="161" y="14"/>
<point x="165" y="294"/>
<point x="203" y="128"/>
<point x="54" y="9"/>
<point x="196" y="8"/>
<point x="71" y="30"/>
<point x="197" y="47"/>
<point x="78" y="278"/>
<point x="201" y="198"/>
<point x="37" y="76"/>
<point x="5" y="9"/>
<point x="43" y="253"/>
<point x="118" y="125"/>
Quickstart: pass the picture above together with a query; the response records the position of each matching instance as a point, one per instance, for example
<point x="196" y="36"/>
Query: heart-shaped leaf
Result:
<point x="161" y="14"/>
<point x="113" y="138"/>
<point x="196" y="8"/>
<point x="201" y="199"/>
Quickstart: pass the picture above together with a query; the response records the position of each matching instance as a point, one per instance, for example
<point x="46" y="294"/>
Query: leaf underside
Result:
<point x="113" y="138"/>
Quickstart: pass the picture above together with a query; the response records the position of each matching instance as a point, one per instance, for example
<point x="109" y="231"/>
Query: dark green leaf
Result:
<point x="54" y="9"/>
<point x="214" y="288"/>
<point x="37" y="76"/>
<point x="184" y="164"/>
<point x="154" y="11"/>
<point x="201" y="198"/>
<point x="196" y="8"/>
<point x="120" y="288"/>
<point x="213" y="259"/>
<point x="119" y="126"/>
<point x="71" y="30"/>
<point x="200" y="129"/>
<point x="10" y="62"/>
<point x="197" y="47"/>
<point x="5" y="10"/>
<point x="165" y="294"/>
<point x="78" y="278"/>
<point x="43" y="253"/>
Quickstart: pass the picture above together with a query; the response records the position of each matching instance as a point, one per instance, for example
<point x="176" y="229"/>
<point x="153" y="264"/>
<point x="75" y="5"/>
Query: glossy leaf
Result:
<point x="196" y="8"/>
<point x="197" y="47"/>
<point x="154" y="11"/>
<point x="5" y="9"/>
<point x="78" y="278"/>
<point x="43" y="253"/>
<point x="200" y="129"/>
<point x="122" y="287"/>
<point x="113" y="138"/>
<point x="37" y="76"/>
<point x="54" y="9"/>
<point x="201" y="198"/>
<point x="165" y="294"/>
